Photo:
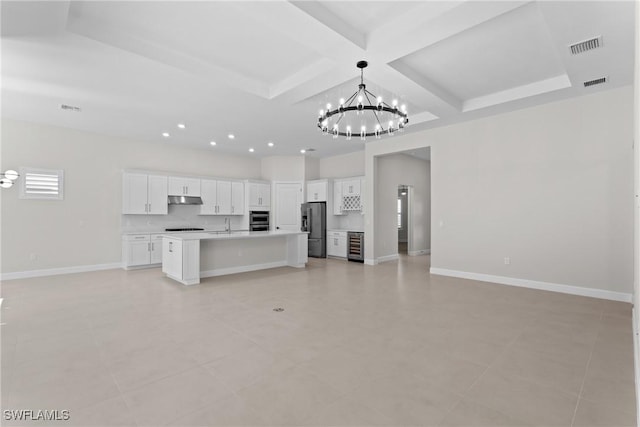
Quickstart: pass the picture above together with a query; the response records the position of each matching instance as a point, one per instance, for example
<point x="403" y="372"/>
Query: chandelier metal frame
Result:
<point x="360" y="95"/>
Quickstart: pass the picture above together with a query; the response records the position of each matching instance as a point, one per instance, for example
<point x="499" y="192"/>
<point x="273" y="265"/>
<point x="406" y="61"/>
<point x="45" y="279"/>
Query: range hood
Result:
<point x="185" y="200"/>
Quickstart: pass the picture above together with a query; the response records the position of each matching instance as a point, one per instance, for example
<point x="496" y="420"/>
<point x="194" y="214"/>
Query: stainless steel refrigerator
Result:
<point x="314" y="220"/>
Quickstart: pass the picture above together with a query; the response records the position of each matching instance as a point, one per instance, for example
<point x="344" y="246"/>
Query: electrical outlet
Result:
<point x="507" y="261"/>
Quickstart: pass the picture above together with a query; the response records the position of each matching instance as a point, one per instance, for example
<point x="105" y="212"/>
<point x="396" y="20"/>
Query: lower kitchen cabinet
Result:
<point x="337" y="244"/>
<point x="139" y="250"/>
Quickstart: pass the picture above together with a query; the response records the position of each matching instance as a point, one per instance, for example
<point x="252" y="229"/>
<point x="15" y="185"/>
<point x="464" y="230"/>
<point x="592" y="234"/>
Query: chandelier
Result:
<point x="361" y="111"/>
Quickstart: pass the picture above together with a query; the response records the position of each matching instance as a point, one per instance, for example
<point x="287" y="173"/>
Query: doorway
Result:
<point x="404" y="219"/>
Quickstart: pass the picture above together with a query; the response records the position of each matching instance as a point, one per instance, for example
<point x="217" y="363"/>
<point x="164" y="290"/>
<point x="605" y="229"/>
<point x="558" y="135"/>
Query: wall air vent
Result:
<point x="586" y="45"/>
<point x="596" y="81"/>
<point x="70" y="108"/>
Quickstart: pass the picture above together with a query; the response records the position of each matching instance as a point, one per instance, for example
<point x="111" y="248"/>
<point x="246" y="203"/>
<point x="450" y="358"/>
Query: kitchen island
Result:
<point x="187" y="257"/>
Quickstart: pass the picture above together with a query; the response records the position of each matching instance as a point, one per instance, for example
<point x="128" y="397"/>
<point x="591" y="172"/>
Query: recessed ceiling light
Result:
<point x="303" y="151"/>
<point x="166" y="134"/>
<point x="231" y="136"/>
<point x="251" y="150"/>
<point x="181" y="125"/>
<point x="270" y="144"/>
<point x="212" y="143"/>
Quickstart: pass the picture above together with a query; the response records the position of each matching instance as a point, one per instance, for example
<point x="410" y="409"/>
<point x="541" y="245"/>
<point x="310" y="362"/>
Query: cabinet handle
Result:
<point x="153" y="248"/>
<point x="148" y="247"/>
<point x="170" y="246"/>
<point x="149" y="208"/>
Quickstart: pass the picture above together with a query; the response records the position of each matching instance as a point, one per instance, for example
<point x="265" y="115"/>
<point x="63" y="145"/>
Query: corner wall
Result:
<point x="550" y="187"/>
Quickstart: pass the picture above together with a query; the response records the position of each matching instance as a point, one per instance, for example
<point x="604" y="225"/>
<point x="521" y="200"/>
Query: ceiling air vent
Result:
<point x="70" y="108"/>
<point x="595" y="81"/>
<point x="586" y="45"/>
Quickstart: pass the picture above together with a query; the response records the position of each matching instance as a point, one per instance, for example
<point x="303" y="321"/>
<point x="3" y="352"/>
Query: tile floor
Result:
<point x="355" y="345"/>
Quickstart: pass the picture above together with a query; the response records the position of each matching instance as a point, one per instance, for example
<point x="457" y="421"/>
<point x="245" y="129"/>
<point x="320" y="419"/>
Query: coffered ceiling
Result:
<point x="262" y="70"/>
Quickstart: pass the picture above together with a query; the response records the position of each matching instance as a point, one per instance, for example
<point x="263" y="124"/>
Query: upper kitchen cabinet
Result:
<point x="144" y="194"/>
<point x="318" y="190"/>
<point x="222" y="197"/>
<point x="347" y="195"/>
<point x="351" y="187"/>
<point x="182" y="186"/>
<point x="259" y="195"/>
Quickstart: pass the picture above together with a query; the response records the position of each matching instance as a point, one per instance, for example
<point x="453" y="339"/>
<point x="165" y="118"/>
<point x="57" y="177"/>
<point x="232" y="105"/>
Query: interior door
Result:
<point x="287" y="209"/>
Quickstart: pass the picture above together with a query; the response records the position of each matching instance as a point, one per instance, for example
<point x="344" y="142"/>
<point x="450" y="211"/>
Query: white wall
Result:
<point x="84" y="228"/>
<point x="551" y="187"/>
<point x="311" y="168"/>
<point x="283" y="168"/>
<point x="342" y="166"/>
<point x="395" y="170"/>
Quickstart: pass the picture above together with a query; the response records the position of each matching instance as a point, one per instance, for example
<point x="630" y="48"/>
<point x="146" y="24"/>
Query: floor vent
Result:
<point x="595" y="82"/>
<point x="70" y="108"/>
<point x="586" y="45"/>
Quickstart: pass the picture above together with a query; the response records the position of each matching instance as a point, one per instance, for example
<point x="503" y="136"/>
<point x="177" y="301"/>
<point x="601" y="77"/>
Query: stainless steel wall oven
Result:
<point x="259" y="221"/>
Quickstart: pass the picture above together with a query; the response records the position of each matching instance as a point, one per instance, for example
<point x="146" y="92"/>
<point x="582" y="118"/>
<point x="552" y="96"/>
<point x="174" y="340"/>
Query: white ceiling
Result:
<point x="262" y="70"/>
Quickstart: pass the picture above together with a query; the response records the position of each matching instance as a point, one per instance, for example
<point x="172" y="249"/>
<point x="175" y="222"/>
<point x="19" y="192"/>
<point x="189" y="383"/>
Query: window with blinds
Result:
<point x="41" y="184"/>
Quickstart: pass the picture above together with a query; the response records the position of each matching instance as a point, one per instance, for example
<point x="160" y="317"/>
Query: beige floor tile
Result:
<point x="468" y="413"/>
<point x="616" y="393"/>
<point x="346" y="412"/>
<point x="601" y="415"/>
<point x="112" y="412"/>
<point x="170" y="398"/>
<point x="249" y="365"/>
<point x="149" y="365"/>
<point x="288" y="398"/>
<point x="230" y="411"/>
<point x="514" y="397"/>
<point x="406" y="398"/>
<point x="544" y="368"/>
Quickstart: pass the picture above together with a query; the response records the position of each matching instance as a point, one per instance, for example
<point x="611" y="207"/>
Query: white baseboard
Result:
<point x="392" y="257"/>
<point x="371" y="261"/>
<point x="533" y="284"/>
<point x="420" y="252"/>
<point x="242" y="269"/>
<point x="57" y="271"/>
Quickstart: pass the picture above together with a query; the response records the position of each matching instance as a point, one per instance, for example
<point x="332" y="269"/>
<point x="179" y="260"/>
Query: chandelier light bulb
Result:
<point x="5" y="183"/>
<point x="11" y="174"/>
<point x="341" y="102"/>
<point x="348" y="133"/>
<point x="328" y="107"/>
<point x="404" y="108"/>
<point x="335" y="131"/>
<point x="321" y="113"/>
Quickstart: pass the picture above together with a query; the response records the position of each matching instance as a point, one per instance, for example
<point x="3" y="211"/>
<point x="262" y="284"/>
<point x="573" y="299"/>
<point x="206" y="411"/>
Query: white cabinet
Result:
<point x="337" y="244"/>
<point x="351" y="198"/>
<point x="237" y="198"/>
<point x="351" y="187"/>
<point x="337" y="198"/>
<point x="317" y="191"/>
<point x="181" y="260"/>
<point x="182" y="186"/>
<point x="259" y="196"/>
<point x="222" y="197"/>
<point x="144" y="194"/>
<point x="141" y="250"/>
<point x="155" y="255"/>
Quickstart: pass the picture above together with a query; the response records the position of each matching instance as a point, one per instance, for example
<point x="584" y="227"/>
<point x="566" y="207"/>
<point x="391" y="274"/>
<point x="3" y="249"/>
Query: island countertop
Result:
<point x="225" y="235"/>
<point x="187" y="257"/>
